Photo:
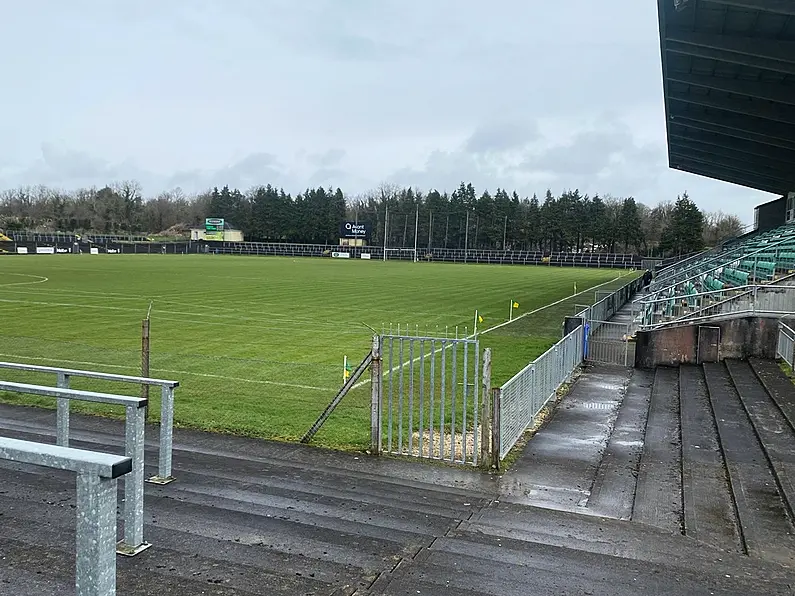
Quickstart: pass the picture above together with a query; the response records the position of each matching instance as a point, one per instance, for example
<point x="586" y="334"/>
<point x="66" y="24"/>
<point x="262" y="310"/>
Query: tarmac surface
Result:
<point x="643" y="482"/>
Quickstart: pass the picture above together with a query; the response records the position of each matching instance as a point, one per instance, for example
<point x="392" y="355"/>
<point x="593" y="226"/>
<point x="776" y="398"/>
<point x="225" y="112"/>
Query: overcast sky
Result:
<point x="521" y="94"/>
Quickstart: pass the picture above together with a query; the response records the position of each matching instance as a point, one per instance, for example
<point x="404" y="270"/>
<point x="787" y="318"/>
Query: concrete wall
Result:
<point x="739" y="339"/>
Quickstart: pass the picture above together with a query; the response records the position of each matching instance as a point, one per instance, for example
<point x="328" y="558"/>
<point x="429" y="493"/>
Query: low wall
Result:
<point x="740" y="338"/>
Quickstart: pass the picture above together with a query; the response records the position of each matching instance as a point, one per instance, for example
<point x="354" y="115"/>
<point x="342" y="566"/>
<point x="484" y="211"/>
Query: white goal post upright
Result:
<point x="399" y="251"/>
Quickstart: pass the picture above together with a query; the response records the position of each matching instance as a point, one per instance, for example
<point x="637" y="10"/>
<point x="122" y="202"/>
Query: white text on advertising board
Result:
<point x="355" y="229"/>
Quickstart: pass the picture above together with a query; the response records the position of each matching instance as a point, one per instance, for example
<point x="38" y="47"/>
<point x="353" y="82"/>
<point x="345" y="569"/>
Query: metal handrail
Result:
<point x="166" y="407"/>
<point x="133" y="542"/>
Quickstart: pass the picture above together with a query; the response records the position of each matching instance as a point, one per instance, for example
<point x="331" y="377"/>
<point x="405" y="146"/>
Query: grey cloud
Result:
<point x="502" y="136"/>
<point x="421" y="93"/>
<point x="329" y="158"/>
<point x="325" y="177"/>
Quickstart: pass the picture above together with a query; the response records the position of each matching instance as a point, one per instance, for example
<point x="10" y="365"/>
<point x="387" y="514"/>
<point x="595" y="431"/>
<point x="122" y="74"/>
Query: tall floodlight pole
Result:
<point x="416" y="230"/>
<point x="504" y="233"/>
<point x="386" y="227"/>
<point x="466" y="238"/>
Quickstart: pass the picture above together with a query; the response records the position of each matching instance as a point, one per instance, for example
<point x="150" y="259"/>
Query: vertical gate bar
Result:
<point x="376" y="396"/>
<point x="482" y="433"/>
<point x="626" y="346"/>
<point x="411" y="396"/>
<point x="420" y="425"/>
<point x="464" y="405"/>
<point x="442" y="398"/>
<point x="62" y="415"/>
<point x="432" y="393"/>
<point x="453" y="399"/>
<point x="389" y="405"/>
<point x="401" y="393"/>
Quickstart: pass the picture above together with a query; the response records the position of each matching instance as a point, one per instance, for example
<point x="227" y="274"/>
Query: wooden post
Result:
<point x="145" y="360"/>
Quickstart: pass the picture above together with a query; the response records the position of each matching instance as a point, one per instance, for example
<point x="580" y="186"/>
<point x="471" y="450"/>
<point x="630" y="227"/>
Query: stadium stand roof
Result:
<point x="729" y="86"/>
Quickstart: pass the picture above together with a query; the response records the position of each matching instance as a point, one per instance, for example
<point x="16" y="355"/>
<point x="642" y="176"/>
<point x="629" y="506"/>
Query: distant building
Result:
<point x="230" y="235"/>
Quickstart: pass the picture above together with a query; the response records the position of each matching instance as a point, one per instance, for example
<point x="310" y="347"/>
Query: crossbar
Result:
<point x="166" y="407"/>
<point x="95" y="565"/>
<point x="134" y="427"/>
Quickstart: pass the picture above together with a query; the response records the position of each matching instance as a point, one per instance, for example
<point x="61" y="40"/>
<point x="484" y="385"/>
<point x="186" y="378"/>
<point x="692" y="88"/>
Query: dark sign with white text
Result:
<point x="351" y="229"/>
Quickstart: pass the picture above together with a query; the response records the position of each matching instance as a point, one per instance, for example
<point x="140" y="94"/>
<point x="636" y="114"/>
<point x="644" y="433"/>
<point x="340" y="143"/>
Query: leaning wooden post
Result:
<point x="145" y="357"/>
<point x="375" y="398"/>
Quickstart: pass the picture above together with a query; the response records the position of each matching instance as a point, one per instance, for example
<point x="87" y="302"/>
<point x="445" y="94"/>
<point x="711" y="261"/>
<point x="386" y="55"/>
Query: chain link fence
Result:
<point x="249" y="395"/>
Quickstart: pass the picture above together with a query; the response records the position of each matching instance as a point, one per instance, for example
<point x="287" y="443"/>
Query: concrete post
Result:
<point x="375" y="397"/>
<point x="487" y="422"/>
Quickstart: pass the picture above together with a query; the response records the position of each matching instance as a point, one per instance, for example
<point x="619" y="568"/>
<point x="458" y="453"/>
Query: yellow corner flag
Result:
<point x="480" y="318"/>
<point x="346" y="369"/>
<point x="516" y="304"/>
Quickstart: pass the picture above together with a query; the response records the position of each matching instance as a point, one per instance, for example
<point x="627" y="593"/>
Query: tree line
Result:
<point x="501" y="220"/>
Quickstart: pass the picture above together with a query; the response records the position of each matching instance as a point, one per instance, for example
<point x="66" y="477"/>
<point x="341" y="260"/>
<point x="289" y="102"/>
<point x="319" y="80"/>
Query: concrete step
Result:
<point x="613" y="492"/>
<point x="658" y="500"/>
<point x="760" y="510"/>
<point x="708" y="506"/>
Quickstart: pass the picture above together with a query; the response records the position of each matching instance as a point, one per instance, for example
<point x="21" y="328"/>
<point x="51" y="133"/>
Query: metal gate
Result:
<point x="608" y="343"/>
<point x="429" y="398"/>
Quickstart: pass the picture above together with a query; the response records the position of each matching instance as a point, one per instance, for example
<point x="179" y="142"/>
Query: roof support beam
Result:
<point x="745" y="127"/>
<point x="743" y="107"/>
<point x="773" y="55"/>
<point x="679" y="132"/>
<point x="777" y="6"/>
<point x="758" y="90"/>
<point x="723" y="175"/>
<point x="754" y="155"/>
<point x="734" y="165"/>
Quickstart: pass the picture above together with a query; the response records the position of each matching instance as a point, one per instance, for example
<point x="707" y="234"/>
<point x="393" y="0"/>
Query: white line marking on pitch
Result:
<point x="173" y="372"/>
<point x="39" y="279"/>
<point x="472" y="336"/>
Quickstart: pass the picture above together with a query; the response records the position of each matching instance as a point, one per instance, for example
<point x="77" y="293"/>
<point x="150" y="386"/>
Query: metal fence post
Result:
<point x="62" y="415"/>
<point x="487" y="423"/>
<point x="495" y="430"/>
<point x="375" y="397"/>
<point x="166" y="437"/>
<point x="95" y="569"/>
<point x="133" y="542"/>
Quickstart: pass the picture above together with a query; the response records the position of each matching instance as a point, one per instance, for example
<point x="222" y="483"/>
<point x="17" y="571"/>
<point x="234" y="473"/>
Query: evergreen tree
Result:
<point x="685" y="230"/>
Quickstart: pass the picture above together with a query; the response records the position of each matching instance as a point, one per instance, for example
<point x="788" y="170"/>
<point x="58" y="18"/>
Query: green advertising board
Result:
<point x="214" y="228"/>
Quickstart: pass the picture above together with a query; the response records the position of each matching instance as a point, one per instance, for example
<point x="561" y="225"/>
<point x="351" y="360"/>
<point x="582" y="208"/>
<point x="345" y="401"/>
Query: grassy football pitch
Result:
<point x="257" y="343"/>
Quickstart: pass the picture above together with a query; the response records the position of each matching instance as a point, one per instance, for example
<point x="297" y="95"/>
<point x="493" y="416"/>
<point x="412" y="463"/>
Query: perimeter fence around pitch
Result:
<point x="520" y="400"/>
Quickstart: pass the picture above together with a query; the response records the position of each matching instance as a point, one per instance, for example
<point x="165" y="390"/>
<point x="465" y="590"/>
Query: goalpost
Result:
<point x="400" y="251"/>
